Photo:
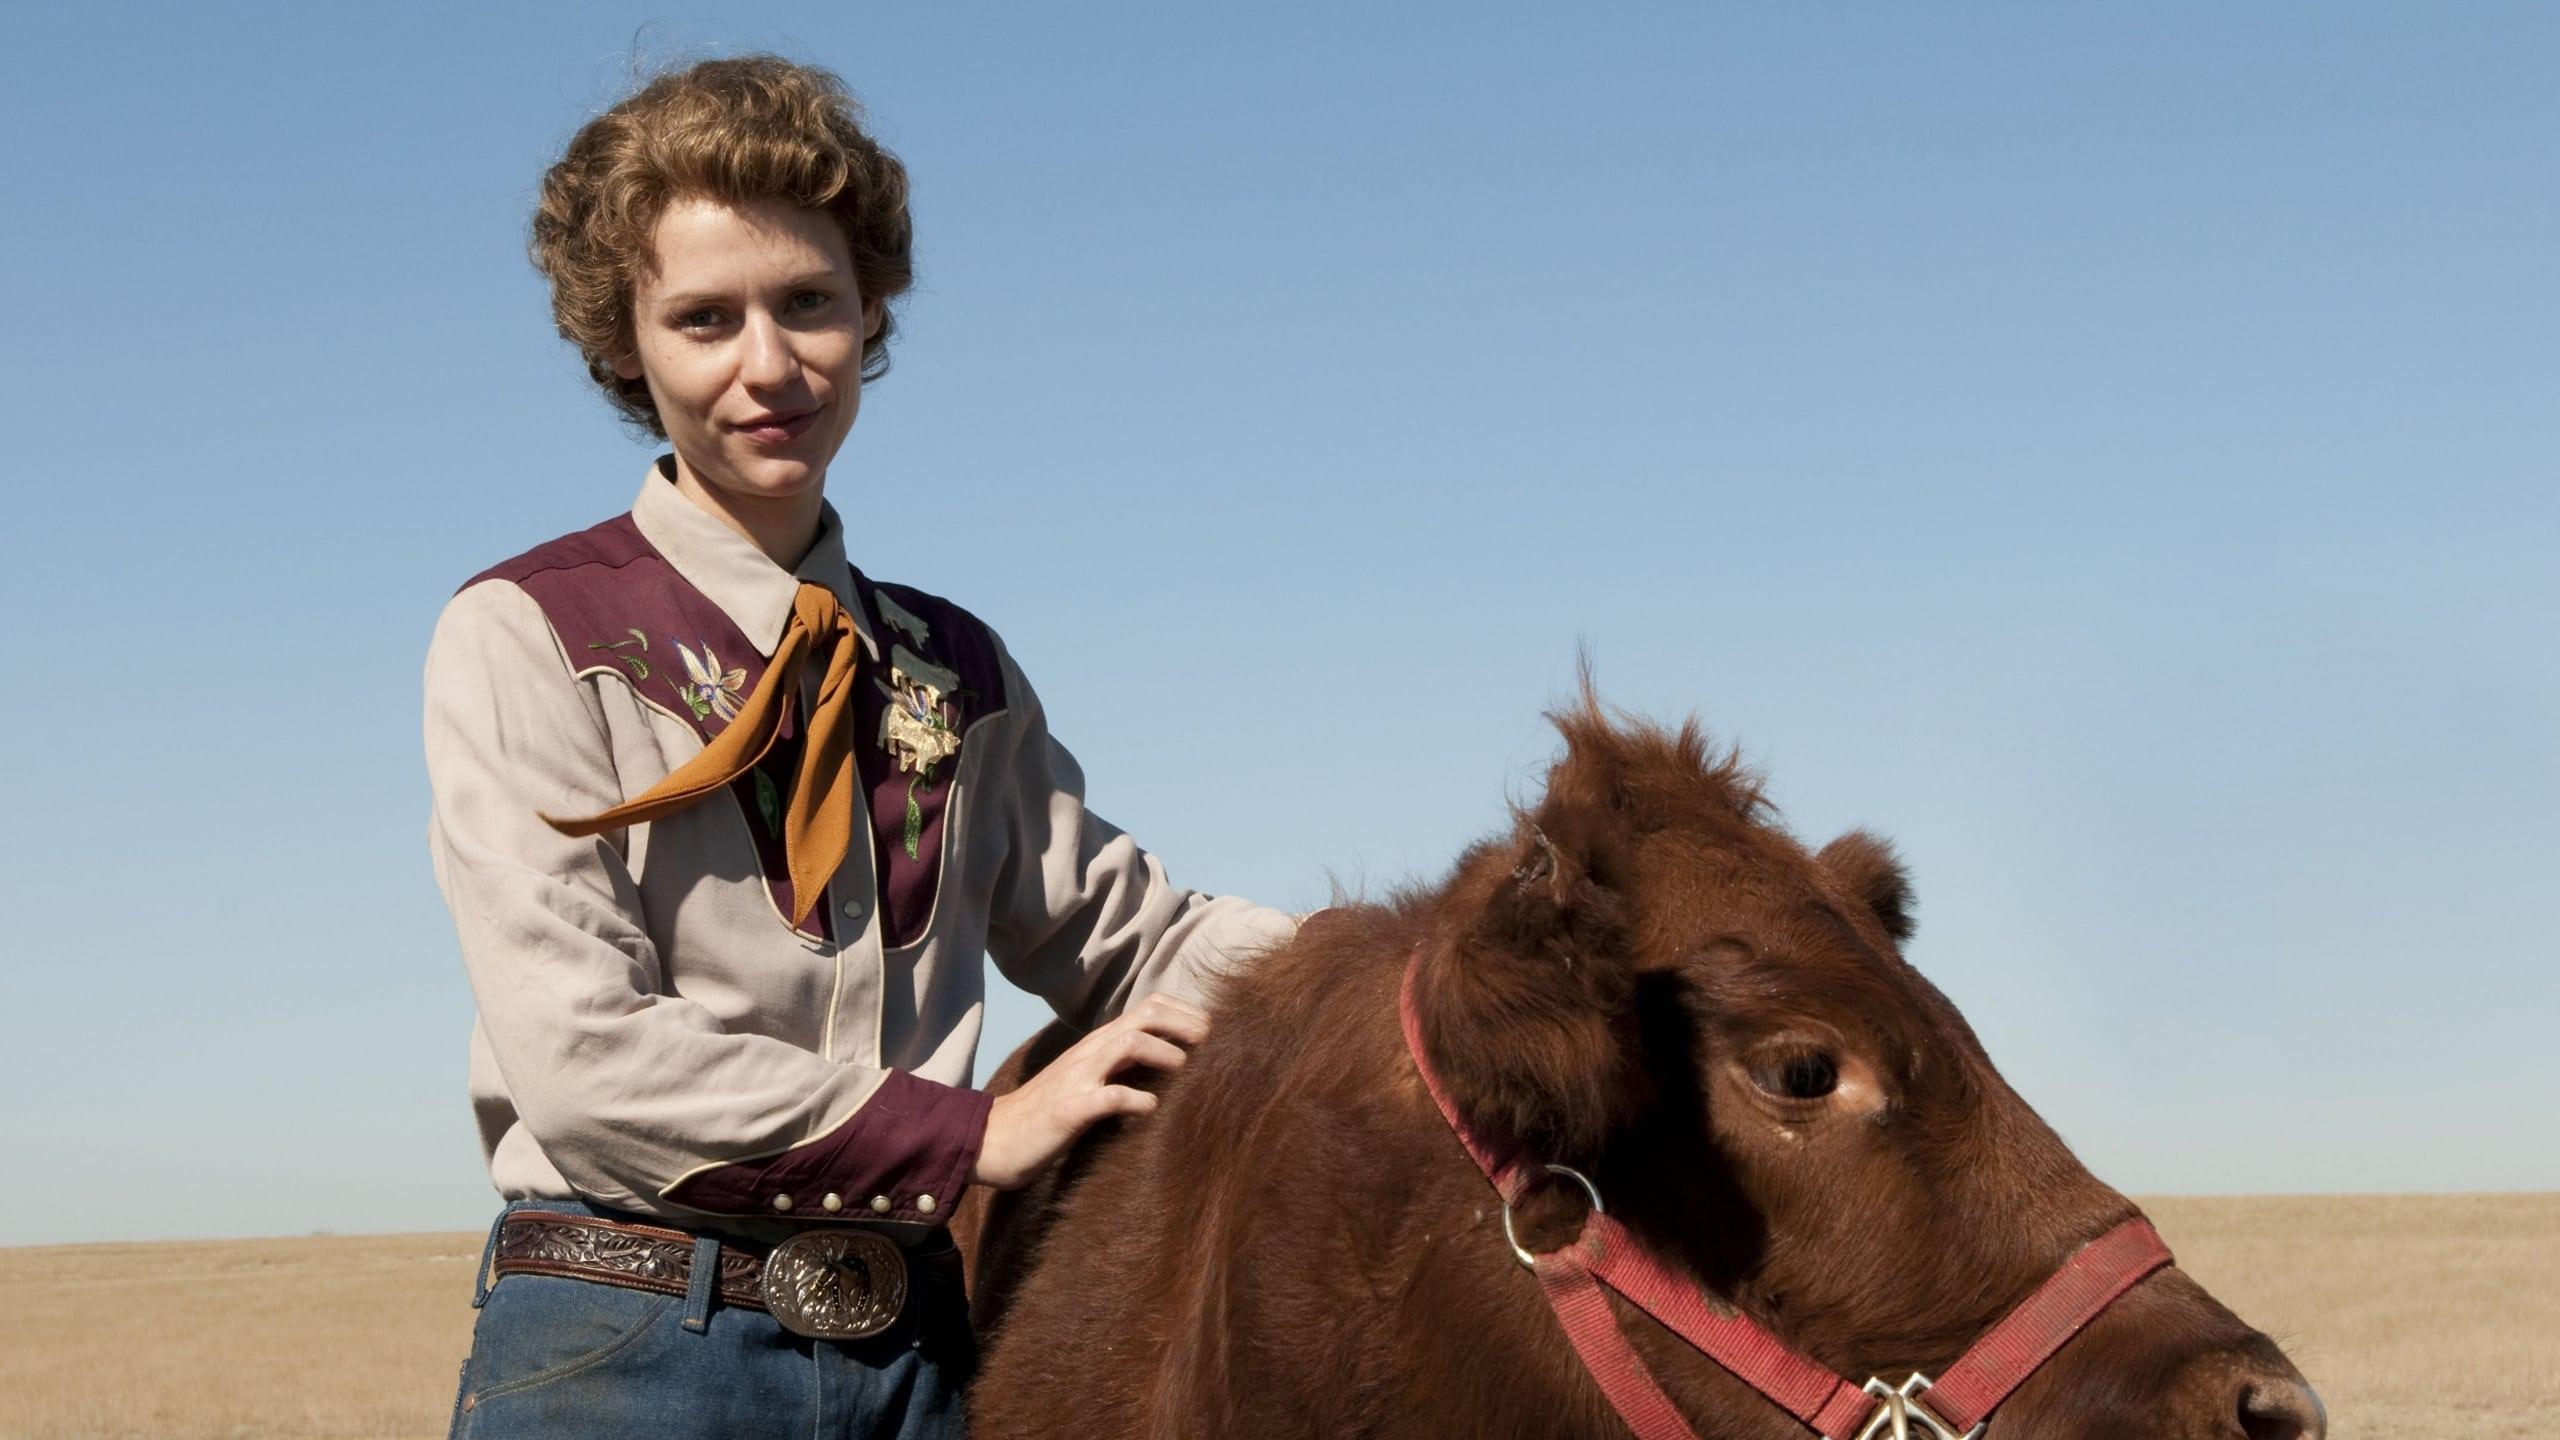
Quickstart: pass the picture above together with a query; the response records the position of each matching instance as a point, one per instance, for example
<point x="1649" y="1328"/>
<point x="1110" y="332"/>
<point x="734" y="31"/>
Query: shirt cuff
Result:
<point x="905" y="1155"/>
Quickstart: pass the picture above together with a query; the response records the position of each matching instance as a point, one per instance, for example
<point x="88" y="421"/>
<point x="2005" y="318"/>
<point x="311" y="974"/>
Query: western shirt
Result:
<point x="653" y="1033"/>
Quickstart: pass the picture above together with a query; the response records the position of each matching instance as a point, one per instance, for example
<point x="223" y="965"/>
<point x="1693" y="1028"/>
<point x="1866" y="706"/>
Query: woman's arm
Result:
<point x="1083" y="916"/>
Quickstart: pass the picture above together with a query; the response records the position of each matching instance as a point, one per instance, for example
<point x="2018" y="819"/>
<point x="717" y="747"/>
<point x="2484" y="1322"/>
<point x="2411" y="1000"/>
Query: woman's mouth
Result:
<point x="776" y="428"/>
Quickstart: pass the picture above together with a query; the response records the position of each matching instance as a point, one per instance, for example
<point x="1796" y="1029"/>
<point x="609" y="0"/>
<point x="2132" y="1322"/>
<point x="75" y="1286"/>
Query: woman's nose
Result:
<point x="768" y="362"/>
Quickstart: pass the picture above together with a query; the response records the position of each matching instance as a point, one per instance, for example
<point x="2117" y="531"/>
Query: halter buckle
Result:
<point x="1900" y="1415"/>
<point x="1567" y="1171"/>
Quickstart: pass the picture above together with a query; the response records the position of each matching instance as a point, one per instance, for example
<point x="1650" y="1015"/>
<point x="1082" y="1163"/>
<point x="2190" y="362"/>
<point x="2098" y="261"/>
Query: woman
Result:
<point x="726" y="826"/>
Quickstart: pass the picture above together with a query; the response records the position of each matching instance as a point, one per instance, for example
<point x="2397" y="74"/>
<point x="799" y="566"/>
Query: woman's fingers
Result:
<point x="1177" y="1020"/>
<point x="1145" y="1049"/>
<point x="1113" y="1100"/>
<point x="1029" y="1128"/>
<point x="1151" y="1033"/>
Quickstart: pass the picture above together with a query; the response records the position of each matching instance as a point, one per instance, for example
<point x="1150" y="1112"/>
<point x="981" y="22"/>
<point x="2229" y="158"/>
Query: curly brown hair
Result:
<point x="738" y="130"/>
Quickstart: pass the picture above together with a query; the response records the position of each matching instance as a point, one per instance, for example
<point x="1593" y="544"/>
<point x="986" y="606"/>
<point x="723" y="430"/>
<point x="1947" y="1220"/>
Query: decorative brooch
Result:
<point x="920" y="729"/>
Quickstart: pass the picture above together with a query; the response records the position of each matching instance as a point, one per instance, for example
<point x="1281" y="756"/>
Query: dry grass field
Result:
<point x="2417" y="1318"/>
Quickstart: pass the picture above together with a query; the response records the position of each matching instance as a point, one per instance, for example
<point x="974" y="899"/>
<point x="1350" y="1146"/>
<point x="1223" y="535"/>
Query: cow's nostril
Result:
<point x="2281" y="1410"/>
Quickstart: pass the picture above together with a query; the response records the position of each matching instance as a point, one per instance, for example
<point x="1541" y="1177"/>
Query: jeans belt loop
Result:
<point x="480" y="1278"/>
<point x="702" y="1286"/>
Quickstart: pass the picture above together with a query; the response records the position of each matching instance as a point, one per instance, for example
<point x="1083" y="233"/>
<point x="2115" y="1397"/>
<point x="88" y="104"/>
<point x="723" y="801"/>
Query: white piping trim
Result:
<point x="839" y="1123"/>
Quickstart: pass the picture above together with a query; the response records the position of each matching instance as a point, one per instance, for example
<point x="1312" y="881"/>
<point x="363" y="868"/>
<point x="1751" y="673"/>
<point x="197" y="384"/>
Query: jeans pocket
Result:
<point x="539" y="1330"/>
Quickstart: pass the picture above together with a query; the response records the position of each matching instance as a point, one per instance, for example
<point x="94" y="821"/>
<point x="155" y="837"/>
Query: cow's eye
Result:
<point x="1798" y="1075"/>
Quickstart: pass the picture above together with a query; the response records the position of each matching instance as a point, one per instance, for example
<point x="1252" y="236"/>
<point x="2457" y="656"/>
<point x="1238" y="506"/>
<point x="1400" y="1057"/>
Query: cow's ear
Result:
<point x="1866" y="865"/>
<point x="1527" y="1005"/>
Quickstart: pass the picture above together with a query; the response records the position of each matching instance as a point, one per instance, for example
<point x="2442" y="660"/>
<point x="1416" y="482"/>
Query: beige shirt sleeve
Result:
<point x="629" y="1090"/>
<point x="1083" y="916"/>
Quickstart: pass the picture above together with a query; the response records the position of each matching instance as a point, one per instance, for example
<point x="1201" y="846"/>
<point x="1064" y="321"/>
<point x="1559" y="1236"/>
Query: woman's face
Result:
<point x="749" y="329"/>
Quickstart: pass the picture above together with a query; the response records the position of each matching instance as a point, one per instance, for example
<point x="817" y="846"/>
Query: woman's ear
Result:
<point x="627" y="365"/>
<point x="1867" y="866"/>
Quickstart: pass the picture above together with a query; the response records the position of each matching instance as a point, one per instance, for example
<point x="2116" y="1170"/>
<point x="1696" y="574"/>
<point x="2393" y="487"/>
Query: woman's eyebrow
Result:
<point x="691" y="298"/>
<point x="687" y="301"/>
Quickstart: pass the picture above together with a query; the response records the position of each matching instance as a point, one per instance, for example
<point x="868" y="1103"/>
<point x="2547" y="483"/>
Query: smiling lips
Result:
<point x="776" y="429"/>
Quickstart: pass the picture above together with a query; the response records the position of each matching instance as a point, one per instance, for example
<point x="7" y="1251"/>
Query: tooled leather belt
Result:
<point x="840" y="1283"/>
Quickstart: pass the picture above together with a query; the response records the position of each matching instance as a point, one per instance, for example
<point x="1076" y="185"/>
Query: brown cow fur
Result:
<point x="1294" y="1245"/>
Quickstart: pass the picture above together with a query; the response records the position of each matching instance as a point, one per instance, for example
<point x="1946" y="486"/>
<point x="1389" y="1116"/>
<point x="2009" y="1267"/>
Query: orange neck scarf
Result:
<point x="817" y="820"/>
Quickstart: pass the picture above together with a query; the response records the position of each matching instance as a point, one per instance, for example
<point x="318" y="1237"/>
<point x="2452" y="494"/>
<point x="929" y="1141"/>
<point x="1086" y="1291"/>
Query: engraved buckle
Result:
<point x="835" y="1284"/>
<point x="1900" y="1415"/>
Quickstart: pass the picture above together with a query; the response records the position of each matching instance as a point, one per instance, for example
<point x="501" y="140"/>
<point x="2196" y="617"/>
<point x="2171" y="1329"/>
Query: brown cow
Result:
<point x="1652" y="982"/>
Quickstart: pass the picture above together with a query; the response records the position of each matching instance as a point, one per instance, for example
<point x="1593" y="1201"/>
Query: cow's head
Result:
<point x="1654" y="983"/>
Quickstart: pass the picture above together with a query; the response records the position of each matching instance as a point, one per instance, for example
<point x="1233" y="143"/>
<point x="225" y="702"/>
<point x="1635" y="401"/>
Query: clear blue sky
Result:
<point x="2111" y="453"/>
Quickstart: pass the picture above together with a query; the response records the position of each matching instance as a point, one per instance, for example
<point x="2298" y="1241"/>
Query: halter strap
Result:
<point x="1607" y="1254"/>
<point x="2025" y="1338"/>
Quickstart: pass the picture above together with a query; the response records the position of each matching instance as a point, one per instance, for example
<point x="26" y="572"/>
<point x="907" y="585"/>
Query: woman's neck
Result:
<point x="782" y="526"/>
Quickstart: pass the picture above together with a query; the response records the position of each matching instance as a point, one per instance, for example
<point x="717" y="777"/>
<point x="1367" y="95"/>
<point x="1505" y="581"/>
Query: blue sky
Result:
<point x="2111" y="454"/>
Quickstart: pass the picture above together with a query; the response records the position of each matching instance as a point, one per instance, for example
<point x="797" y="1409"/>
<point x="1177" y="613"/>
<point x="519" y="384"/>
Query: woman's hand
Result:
<point x="1031" y="1127"/>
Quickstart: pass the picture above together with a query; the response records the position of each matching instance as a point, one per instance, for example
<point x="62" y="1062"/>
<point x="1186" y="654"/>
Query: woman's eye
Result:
<point x="697" y="319"/>
<point x="1805" y="1075"/>
<point x="810" y="300"/>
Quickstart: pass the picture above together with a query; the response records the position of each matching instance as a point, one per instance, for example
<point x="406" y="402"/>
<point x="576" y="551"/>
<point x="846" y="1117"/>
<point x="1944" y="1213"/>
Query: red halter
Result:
<point x="1606" y="1253"/>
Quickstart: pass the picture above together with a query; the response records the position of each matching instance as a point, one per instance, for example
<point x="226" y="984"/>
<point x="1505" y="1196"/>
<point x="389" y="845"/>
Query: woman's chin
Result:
<point x="767" y="479"/>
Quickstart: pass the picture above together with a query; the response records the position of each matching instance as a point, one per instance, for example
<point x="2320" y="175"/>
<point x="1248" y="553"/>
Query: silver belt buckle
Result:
<point x="835" y="1284"/>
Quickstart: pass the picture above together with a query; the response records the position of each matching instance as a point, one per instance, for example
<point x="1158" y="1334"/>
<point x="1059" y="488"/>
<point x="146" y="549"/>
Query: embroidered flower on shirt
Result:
<point x="709" y="689"/>
<point x="639" y="667"/>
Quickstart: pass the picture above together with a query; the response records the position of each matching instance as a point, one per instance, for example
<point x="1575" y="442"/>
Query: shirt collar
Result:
<point x="732" y="573"/>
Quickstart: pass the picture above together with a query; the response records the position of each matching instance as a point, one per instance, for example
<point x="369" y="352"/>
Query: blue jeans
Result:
<point x="567" y="1359"/>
